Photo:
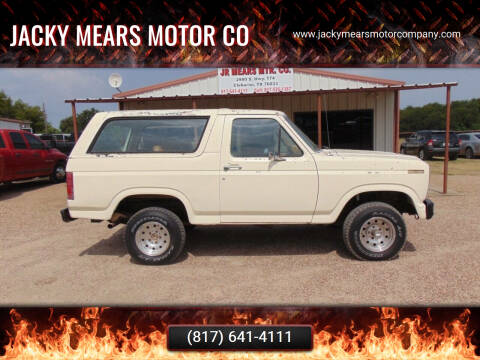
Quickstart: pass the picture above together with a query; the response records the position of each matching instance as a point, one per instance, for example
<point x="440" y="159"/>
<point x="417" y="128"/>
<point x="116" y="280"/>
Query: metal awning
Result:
<point x="307" y="92"/>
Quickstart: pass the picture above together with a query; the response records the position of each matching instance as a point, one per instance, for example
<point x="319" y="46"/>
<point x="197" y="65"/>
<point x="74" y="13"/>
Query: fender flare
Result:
<point x="416" y="202"/>
<point x="151" y="191"/>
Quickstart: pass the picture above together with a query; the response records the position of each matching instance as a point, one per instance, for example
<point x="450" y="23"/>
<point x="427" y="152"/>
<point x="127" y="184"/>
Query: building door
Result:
<point x="255" y="186"/>
<point x="347" y="129"/>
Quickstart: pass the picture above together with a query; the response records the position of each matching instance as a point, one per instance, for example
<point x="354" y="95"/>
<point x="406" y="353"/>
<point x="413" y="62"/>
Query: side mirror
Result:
<point x="275" y="157"/>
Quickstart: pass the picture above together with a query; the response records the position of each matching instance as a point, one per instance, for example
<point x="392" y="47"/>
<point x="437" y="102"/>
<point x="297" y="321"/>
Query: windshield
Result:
<point x="300" y="133"/>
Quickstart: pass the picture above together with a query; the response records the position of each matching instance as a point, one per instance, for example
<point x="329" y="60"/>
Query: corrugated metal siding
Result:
<point x="9" y="125"/>
<point x="301" y="82"/>
<point x="382" y="104"/>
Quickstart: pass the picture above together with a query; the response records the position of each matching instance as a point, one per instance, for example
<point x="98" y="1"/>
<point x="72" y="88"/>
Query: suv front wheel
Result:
<point x="374" y="231"/>
<point x="155" y="236"/>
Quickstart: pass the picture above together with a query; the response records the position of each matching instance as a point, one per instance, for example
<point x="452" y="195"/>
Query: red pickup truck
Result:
<point x="24" y="156"/>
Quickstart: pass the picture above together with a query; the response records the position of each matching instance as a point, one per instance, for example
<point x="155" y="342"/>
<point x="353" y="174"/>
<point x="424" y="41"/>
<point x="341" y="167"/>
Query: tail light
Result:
<point x="70" y="186"/>
<point x="430" y="142"/>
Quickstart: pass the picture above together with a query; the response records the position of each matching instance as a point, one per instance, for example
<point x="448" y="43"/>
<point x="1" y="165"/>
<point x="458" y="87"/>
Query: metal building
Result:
<point x="14" y="124"/>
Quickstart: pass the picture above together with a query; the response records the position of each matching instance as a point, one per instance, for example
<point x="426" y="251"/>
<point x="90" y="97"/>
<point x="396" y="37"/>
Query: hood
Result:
<point x="347" y="159"/>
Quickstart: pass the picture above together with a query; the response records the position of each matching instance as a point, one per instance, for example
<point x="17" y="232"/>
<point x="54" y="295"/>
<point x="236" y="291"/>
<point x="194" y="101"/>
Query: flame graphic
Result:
<point x="390" y="337"/>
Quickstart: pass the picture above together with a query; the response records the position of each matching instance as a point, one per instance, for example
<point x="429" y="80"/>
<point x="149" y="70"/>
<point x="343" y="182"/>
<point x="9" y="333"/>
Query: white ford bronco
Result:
<point x="160" y="171"/>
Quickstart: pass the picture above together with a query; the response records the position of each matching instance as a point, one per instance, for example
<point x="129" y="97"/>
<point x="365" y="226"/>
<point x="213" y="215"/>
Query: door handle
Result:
<point x="232" y="167"/>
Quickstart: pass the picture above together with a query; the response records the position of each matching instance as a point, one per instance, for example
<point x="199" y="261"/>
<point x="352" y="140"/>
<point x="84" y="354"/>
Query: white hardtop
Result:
<point x="188" y="112"/>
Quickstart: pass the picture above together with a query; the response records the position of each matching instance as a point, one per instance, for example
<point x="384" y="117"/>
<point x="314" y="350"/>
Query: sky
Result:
<point x="52" y="86"/>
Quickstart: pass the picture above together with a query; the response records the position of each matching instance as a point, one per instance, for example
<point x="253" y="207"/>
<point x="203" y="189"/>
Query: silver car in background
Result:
<point x="470" y="144"/>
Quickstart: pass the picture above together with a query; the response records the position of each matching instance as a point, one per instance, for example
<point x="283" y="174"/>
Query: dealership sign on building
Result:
<point x="254" y="80"/>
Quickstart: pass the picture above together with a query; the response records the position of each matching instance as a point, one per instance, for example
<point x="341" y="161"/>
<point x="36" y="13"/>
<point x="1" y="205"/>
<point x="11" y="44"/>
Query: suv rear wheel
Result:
<point x="155" y="236"/>
<point x="374" y="231"/>
<point x="469" y="153"/>
<point x="423" y="155"/>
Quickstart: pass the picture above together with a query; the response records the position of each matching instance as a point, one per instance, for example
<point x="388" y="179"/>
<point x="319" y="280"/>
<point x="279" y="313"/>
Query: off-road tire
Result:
<point x="167" y="219"/>
<point x="358" y="216"/>
<point x="453" y="157"/>
<point x="54" y="178"/>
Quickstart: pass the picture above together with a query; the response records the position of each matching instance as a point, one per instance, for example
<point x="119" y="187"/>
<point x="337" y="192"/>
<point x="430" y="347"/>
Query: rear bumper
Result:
<point x="441" y="151"/>
<point x="66" y="215"/>
<point x="429" y="208"/>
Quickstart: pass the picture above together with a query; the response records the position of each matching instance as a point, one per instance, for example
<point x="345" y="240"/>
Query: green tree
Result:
<point x="66" y="125"/>
<point x="465" y="115"/>
<point x="22" y="111"/>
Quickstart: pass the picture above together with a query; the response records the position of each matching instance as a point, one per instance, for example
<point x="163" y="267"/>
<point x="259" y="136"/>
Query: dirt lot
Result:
<point x="45" y="261"/>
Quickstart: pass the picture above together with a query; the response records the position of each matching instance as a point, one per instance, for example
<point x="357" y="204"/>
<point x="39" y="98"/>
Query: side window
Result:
<point x="158" y="135"/>
<point x="17" y="140"/>
<point x="464" y="137"/>
<point x="2" y="143"/>
<point x="34" y="142"/>
<point x="259" y="138"/>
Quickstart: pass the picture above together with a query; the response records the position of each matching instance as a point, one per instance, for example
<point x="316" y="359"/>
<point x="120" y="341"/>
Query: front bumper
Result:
<point x="66" y="215"/>
<point x="429" y="208"/>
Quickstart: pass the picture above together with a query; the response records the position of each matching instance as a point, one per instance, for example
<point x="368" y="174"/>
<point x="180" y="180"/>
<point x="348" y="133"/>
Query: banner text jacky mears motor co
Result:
<point x="133" y="35"/>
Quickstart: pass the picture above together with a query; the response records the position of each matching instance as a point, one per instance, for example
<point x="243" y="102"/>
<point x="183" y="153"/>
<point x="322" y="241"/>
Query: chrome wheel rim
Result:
<point x="377" y="234"/>
<point x="59" y="172"/>
<point x="152" y="238"/>
<point x="469" y="154"/>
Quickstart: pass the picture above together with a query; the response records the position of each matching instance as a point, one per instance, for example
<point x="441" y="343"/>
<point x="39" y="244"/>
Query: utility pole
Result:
<point x="44" y="118"/>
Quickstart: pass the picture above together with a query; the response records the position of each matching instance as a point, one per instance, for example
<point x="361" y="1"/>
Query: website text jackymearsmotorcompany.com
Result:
<point x="385" y="34"/>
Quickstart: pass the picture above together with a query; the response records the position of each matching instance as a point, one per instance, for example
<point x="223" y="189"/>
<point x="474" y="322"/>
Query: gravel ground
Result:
<point x="47" y="262"/>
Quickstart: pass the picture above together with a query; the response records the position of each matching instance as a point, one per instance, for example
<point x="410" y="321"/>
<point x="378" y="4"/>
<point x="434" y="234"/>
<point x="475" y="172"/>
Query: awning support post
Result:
<point x="74" y="120"/>
<point x="447" y="142"/>
<point x="396" y="122"/>
<point x="319" y="120"/>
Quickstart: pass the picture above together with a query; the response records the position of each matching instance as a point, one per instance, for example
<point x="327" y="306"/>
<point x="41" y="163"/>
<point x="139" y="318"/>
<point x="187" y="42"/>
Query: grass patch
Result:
<point x="457" y="167"/>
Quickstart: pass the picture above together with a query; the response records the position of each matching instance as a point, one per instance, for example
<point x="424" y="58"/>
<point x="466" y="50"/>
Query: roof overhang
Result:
<point x="213" y="73"/>
<point x="308" y="92"/>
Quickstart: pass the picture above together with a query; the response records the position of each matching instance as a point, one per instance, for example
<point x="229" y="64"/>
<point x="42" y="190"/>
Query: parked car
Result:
<point x="62" y="142"/>
<point x="428" y="143"/>
<point x="24" y="156"/>
<point x="159" y="170"/>
<point x="470" y="144"/>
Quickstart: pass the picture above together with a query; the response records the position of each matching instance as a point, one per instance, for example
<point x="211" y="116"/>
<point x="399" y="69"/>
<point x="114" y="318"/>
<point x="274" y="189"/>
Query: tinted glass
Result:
<point x="34" y="142"/>
<point x="167" y="135"/>
<point x="441" y="136"/>
<point x="17" y="140"/>
<point x="477" y="136"/>
<point x="2" y="144"/>
<point x="259" y="138"/>
<point x="464" y="137"/>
